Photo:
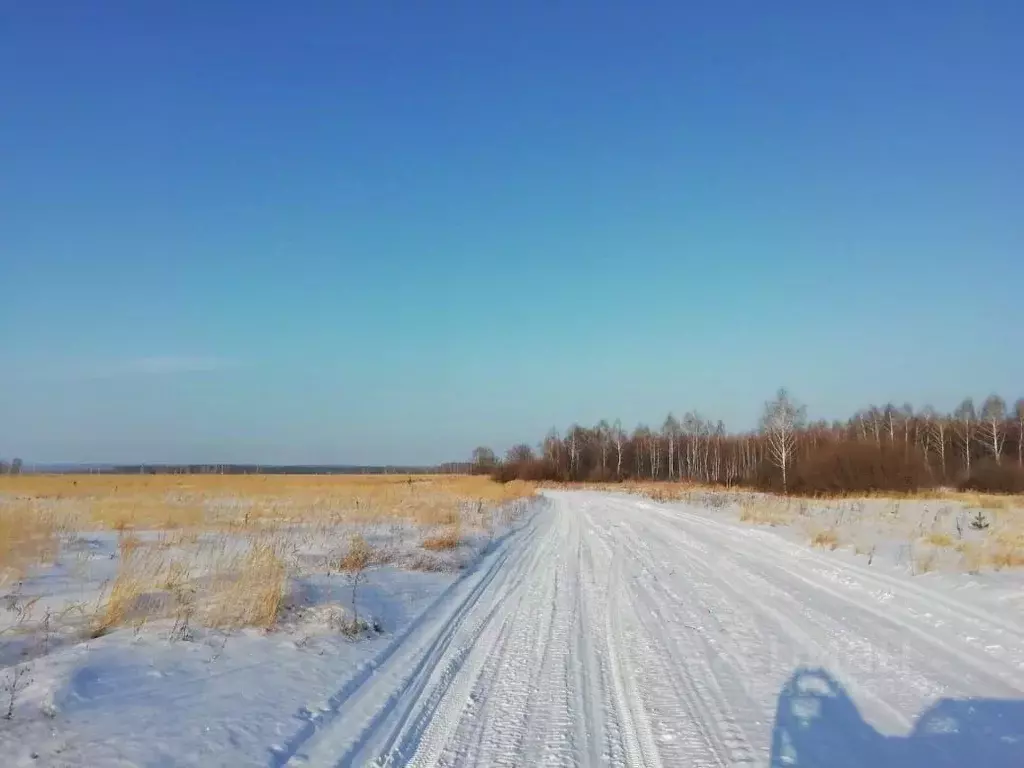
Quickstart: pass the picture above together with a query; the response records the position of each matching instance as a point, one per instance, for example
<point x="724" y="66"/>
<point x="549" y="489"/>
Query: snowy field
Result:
<point x="576" y="629"/>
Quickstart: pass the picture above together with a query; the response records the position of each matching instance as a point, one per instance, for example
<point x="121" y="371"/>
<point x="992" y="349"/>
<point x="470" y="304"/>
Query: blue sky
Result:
<point x="388" y="232"/>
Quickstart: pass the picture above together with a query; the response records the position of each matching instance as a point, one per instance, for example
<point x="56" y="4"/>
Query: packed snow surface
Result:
<point x="606" y="630"/>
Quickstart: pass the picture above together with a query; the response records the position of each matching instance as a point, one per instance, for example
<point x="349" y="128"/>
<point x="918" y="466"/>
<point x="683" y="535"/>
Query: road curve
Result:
<point x="613" y="631"/>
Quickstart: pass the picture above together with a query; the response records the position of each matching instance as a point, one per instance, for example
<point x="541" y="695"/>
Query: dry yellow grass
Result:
<point x="973" y="500"/>
<point x="972" y="556"/>
<point x="1007" y="550"/>
<point x="135" y="593"/>
<point x="210" y="549"/>
<point x="249" y="591"/>
<point x="241" y="588"/>
<point x="662" y="491"/>
<point x="360" y="555"/>
<point x="765" y="512"/>
<point x="827" y="538"/>
<point x="449" y="538"/>
<point x="939" y="539"/>
<point x="210" y="502"/>
<point x="28" y="536"/>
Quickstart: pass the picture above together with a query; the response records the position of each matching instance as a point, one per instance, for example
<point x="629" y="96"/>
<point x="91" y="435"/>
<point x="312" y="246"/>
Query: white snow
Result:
<point x="604" y="630"/>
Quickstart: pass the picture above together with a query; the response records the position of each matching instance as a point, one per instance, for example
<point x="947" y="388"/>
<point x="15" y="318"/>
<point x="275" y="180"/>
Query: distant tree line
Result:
<point x="267" y="469"/>
<point x="12" y="467"/>
<point x="887" y="448"/>
<point x="230" y="469"/>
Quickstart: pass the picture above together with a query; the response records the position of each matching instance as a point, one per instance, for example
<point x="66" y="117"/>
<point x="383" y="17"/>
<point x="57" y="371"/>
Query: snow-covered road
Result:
<point x="615" y="631"/>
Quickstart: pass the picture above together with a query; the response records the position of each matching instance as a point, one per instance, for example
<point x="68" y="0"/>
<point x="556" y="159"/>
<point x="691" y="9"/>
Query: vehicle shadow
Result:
<point x="817" y="725"/>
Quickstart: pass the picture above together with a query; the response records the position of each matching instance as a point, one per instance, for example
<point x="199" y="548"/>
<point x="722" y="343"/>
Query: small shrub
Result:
<point x="359" y="557"/>
<point x="988" y="476"/>
<point x="854" y="467"/>
<point x="17" y="680"/>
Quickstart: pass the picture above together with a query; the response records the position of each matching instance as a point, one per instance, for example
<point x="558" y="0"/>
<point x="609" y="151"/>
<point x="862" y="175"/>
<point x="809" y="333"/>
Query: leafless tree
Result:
<point x="965" y="417"/>
<point x="1019" y="410"/>
<point x="574" y="451"/>
<point x="874" y="417"/>
<point x="892" y="418"/>
<point x="671" y="430"/>
<point x="936" y="438"/>
<point x="907" y="417"/>
<point x="782" y="418"/>
<point x="603" y="433"/>
<point x="483" y="459"/>
<point x="552" y="447"/>
<point x="691" y="432"/>
<point x="519" y="453"/>
<point x="829" y="456"/>
<point x="992" y="425"/>
<point x="618" y="437"/>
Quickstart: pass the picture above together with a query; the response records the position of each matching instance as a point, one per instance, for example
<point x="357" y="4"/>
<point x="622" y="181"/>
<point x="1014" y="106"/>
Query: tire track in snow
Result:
<point x="680" y="684"/>
<point x="612" y="631"/>
<point x="779" y="573"/>
<point x="362" y="709"/>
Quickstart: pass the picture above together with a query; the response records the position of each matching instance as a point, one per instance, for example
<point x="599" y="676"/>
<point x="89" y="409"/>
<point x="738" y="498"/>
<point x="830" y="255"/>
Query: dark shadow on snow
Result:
<point x="817" y="725"/>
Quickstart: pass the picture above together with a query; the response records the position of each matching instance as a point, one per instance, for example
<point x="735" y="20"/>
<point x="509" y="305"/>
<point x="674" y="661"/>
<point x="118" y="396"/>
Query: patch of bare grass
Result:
<point x="1007" y="550"/>
<point x="939" y="539"/>
<point x="249" y="503"/>
<point x="218" y="551"/>
<point x="827" y="539"/>
<point x="28" y="537"/>
<point x="248" y="593"/>
<point x="765" y="512"/>
<point x="447" y="539"/>
<point x="135" y="592"/>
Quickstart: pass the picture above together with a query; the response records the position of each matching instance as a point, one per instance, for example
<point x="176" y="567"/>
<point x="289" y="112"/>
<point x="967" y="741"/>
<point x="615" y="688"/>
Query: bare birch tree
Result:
<point x="782" y="418"/>
<point x="992" y="425"/>
<point x="964" y="417"/>
<point x="603" y="433"/>
<point x="936" y="435"/>
<point x="618" y="437"/>
<point x="1019" y="410"/>
<point x="671" y="430"/>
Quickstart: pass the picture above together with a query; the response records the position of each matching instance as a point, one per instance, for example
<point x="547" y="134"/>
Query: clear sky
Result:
<point x="390" y="231"/>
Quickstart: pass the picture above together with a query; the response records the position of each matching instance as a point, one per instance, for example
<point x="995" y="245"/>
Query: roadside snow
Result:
<point x="604" y="630"/>
<point x="150" y="695"/>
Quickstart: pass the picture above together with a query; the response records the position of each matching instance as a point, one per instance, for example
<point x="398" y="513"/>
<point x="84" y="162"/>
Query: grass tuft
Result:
<point x="28" y="537"/>
<point x="826" y="539"/>
<point x="447" y="539"/>
<point x="250" y="594"/>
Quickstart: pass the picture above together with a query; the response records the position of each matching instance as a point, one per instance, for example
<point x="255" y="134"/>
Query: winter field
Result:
<point x="282" y="620"/>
